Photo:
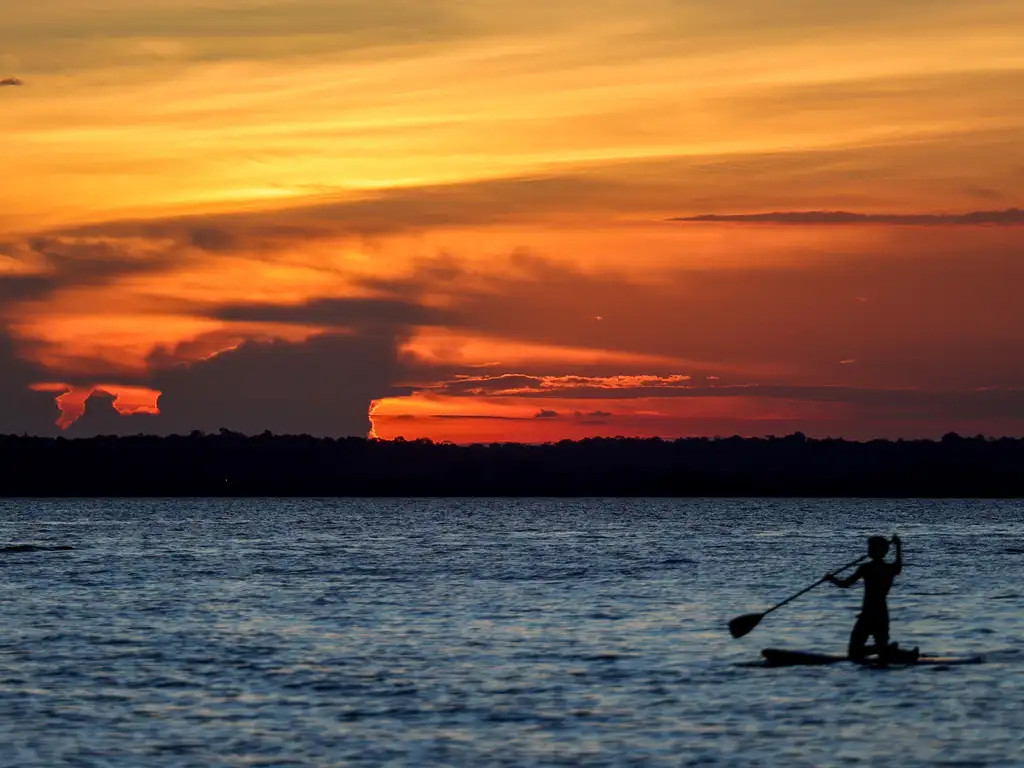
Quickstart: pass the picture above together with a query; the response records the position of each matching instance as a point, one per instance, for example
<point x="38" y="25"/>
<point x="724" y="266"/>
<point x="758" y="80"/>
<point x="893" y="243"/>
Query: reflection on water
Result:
<point x="491" y="632"/>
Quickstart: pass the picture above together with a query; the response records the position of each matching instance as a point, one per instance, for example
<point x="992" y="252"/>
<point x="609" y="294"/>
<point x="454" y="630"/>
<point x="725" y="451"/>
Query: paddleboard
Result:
<point x="777" y="657"/>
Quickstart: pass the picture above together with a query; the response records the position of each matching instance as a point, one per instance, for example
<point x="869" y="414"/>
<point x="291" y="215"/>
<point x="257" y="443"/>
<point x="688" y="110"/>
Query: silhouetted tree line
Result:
<point x="231" y="464"/>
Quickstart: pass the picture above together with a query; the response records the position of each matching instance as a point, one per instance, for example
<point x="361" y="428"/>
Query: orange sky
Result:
<point x="270" y="214"/>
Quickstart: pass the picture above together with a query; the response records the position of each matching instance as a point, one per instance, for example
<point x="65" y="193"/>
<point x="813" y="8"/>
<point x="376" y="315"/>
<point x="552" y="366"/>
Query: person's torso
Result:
<point x="877" y="581"/>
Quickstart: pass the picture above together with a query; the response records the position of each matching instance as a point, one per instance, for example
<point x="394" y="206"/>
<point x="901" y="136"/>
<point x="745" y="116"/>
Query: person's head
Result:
<point x="878" y="546"/>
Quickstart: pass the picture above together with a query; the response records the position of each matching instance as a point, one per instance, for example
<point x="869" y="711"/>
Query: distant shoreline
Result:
<point x="234" y="465"/>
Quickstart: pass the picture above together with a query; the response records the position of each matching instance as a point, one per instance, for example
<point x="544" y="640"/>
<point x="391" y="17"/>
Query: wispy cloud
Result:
<point x="510" y="384"/>
<point x="468" y="417"/>
<point x="340" y="312"/>
<point x="1007" y="217"/>
<point x="1005" y="403"/>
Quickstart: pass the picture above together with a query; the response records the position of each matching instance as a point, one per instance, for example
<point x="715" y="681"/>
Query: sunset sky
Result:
<point x="486" y="220"/>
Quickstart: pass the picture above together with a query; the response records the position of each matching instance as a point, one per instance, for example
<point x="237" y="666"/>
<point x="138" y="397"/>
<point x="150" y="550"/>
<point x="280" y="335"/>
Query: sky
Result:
<point x="498" y="220"/>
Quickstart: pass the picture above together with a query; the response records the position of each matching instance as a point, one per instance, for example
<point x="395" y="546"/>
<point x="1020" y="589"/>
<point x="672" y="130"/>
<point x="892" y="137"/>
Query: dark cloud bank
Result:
<point x="322" y="387"/>
<point x="1008" y="217"/>
<point x="21" y="409"/>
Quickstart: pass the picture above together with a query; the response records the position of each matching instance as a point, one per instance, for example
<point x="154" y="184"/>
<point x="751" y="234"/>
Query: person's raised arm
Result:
<point x="898" y="565"/>
<point x="847" y="582"/>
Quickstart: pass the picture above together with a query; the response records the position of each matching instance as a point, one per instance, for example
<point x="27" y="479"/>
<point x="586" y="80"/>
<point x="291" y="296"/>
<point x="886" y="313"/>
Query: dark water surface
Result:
<point x="497" y="632"/>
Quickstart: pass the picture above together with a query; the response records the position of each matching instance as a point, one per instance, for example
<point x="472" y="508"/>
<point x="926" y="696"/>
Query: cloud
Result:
<point x="102" y="418"/>
<point x="490" y="202"/>
<point x="341" y="312"/>
<point x="50" y="262"/>
<point x="467" y="417"/>
<point x="202" y="347"/>
<point x="944" y="306"/>
<point x="506" y="383"/>
<point x="514" y="384"/>
<point x="1007" y="217"/>
<point x="600" y="190"/>
<point x="10" y="81"/>
<point x="212" y="239"/>
<point x="194" y="31"/>
<point x="358" y="29"/>
<point x="15" y="288"/>
<point x="91" y="260"/>
<point x="545" y="414"/>
<point x="323" y="386"/>
<point x="21" y="409"/>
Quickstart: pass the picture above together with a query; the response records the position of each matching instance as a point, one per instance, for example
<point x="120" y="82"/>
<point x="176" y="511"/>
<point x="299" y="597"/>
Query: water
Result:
<point x="496" y="632"/>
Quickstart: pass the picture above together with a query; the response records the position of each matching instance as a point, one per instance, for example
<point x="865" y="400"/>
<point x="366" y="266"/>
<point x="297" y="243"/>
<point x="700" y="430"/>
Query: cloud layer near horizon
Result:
<point x="895" y="335"/>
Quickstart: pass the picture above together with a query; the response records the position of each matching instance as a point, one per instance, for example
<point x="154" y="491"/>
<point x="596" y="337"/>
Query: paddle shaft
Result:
<point x="822" y="580"/>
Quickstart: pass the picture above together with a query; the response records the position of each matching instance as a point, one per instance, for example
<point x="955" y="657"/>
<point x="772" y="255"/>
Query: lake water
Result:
<point x="497" y="632"/>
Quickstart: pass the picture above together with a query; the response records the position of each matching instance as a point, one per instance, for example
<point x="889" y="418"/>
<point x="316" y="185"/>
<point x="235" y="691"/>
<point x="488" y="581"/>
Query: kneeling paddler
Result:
<point x="873" y="620"/>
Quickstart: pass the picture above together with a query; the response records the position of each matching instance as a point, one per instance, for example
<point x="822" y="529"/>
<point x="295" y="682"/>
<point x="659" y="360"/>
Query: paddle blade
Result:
<point x="742" y="625"/>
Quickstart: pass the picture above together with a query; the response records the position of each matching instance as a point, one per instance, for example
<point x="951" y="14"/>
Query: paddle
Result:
<point x="742" y="625"/>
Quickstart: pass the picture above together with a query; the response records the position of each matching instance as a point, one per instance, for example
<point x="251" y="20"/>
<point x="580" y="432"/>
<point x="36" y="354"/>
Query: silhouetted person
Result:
<point x="873" y="619"/>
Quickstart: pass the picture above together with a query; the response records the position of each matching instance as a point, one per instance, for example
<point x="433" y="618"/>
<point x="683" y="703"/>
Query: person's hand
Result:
<point x="830" y="577"/>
